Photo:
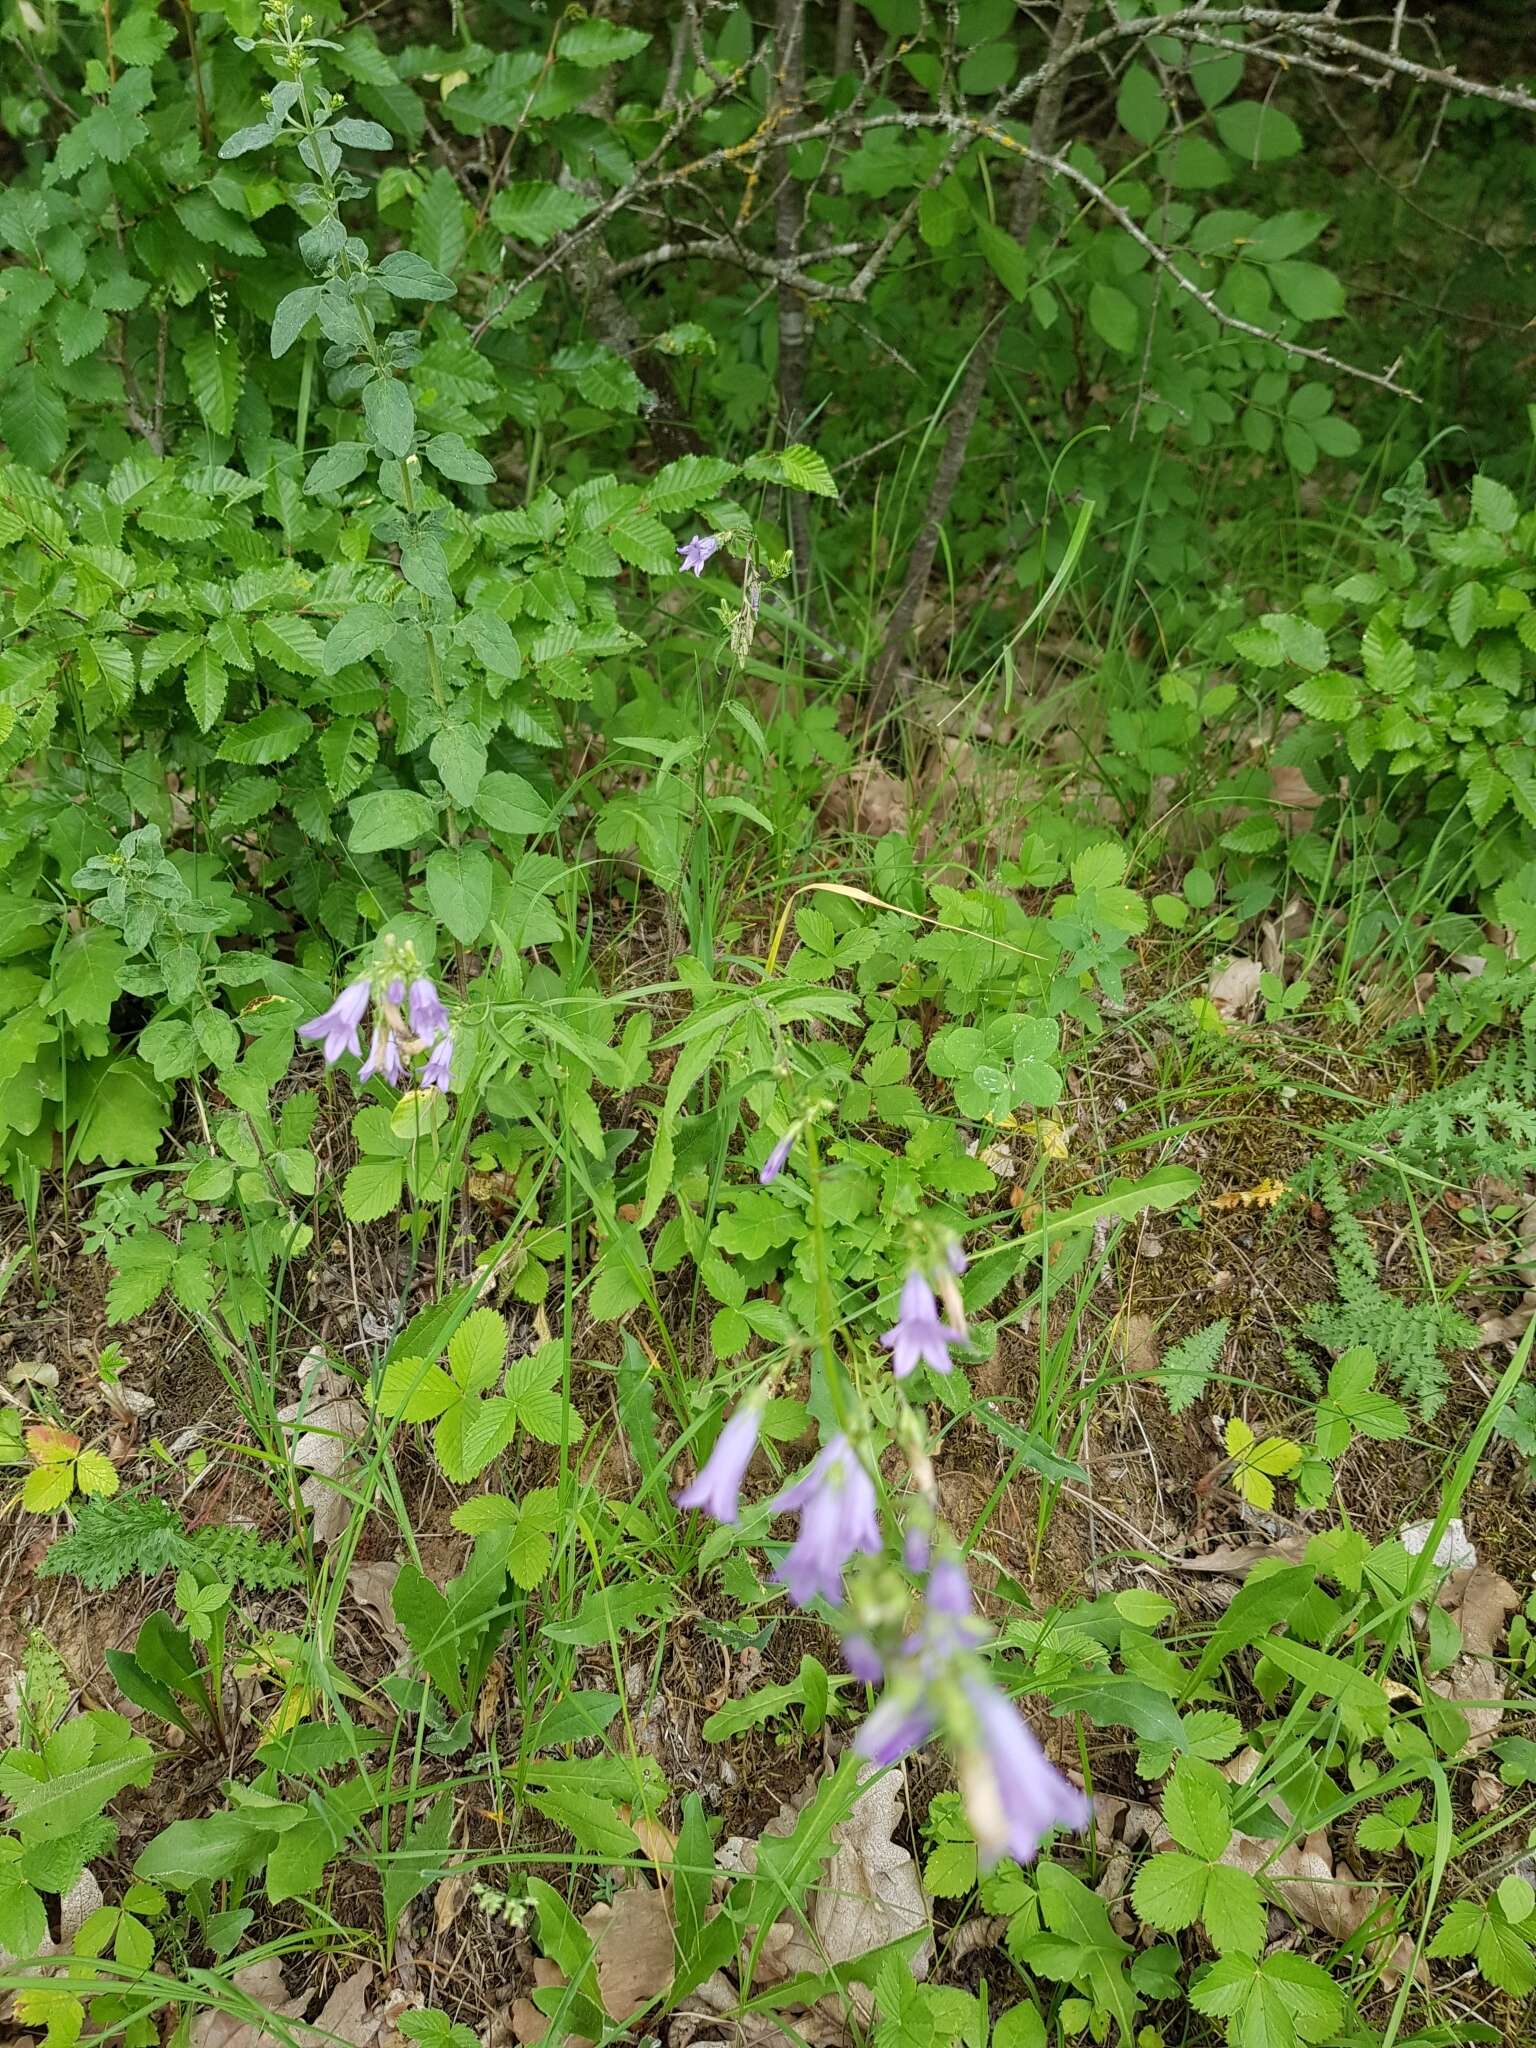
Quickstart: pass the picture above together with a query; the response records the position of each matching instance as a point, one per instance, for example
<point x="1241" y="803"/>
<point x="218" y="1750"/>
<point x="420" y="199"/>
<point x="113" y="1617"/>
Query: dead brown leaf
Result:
<point x="1480" y="1602"/>
<point x="1135" y="1338"/>
<point x="1310" y="1883"/>
<point x="263" y="1984"/>
<point x="635" y="1953"/>
<point x="530" y="2025"/>
<point x="371" y="1586"/>
<point x="1234" y="992"/>
<point x="868" y="798"/>
<point x="330" y="1419"/>
<point x="870" y="1894"/>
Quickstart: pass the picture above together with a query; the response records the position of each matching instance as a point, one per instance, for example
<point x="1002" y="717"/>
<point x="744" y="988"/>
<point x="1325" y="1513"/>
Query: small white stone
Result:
<point x="1455" y="1551"/>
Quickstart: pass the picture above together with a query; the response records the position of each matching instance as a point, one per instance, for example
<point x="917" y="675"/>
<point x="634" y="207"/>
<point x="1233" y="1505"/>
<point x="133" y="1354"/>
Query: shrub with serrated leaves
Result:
<point x="1416" y="681"/>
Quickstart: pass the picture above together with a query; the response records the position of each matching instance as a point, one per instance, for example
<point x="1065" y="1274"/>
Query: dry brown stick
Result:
<point x="962" y="419"/>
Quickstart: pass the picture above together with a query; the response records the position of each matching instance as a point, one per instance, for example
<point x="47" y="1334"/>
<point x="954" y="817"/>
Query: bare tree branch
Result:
<point x="1186" y="284"/>
<point x="1022" y="215"/>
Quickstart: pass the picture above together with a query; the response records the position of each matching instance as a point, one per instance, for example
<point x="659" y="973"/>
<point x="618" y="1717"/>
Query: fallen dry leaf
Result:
<point x="1480" y="1602"/>
<point x="1307" y="1879"/>
<point x="1238" y="1559"/>
<point x="1234" y="992"/>
<point x="1135" y="1341"/>
<point x="348" y="2014"/>
<point x="868" y="798"/>
<point x="870" y="1895"/>
<point x="330" y="1419"/>
<point x="636" y="1954"/>
<point x="371" y="1586"/>
<point x="530" y="2025"/>
<point x="1263" y="1195"/>
<point x="263" y="1984"/>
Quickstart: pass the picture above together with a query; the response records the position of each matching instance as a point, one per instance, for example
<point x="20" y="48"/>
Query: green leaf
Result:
<point x="493" y="641"/>
<point x="289" y="639"/>
<point x="438" y="229"/>
<point x="33" y="422"/>
<point x="1185" y="1371"/>
<point x="405" y="275"/>
<point x="508" y="803"/>
<point x="1307" y="290"/>
<point x="372" y="1189"/>
<point x="122" y="1112"/>
<point x="1113" y="318"/>
<point x="459" y="890"/>
<point x="216" y="1849"/>
<point x="430" y="1628"/>
<point x="1006" y="258"/>
<point x="336" y="467"/>
<point x="1140" y="107"/>
<point x="458" y="755"/>
<point x="293" y="315"/>
<point x="47" y="1808"/>
<point x="388" y="818"/>
<point x="206" y="685"/>
<point x="452" y="455"/>
<point x="1257" y="131"/>
<point x="1169" y="1891"/>
<point x="1195" y="1806"/>
<point x="1331" y="696"/>
<point x="215" y="377"/>
<point x="592" y="42"/>
<point x="356" y="635"/>
<point x="537" y="212"/>
<point x="272" y="735"/>
<point x="638" y="537"/>
<point x="689" y="481"/>
<point x="1194" y="164"/>
<point x="390" y="415"/>
<point x="81" y="329"/>
<point x="87" y="976"/>
<point x="1494" y="505"/>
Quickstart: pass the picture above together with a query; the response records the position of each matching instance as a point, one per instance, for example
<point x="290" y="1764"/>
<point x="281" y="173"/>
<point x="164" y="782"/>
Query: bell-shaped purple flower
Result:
<point x="696" y="552"/>
<point x="773" y="1165"/>
<point x="918" y="1337"/>
<point x="717" y="1488"/>
<point x="438" y="1072"/>
<point x="835" y="1499"/>
<point x="383" y="1058"/>
<point x="909" y="1710"/>
<point x="394" y="991"/>
<point x="337" y="1027"/>
<point x="863" y="1659"/>
<point x="428" y="1017"/>
<point x="1014" y="1795"/>
<point x="903" y="1721"/>
<point x="916" y="1548"/>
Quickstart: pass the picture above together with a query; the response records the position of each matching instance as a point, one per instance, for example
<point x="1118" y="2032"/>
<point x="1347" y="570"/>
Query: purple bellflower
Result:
<point x="383" y="1058"/>
<point x="337" y="1027"/>
<point x="429" y="1020"/>
<point x="918" y="1337"/>
<point x="438" y="1072"/>
<point x="717" y="1488"/>
<point x="863" y="1659"/>
<point x="1014" y="1795"/>
<point x="835" y="1500"/>
<point x="394" y="992"/>
<point x="773" y="1165"/>
<point x="696" y="552"/>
